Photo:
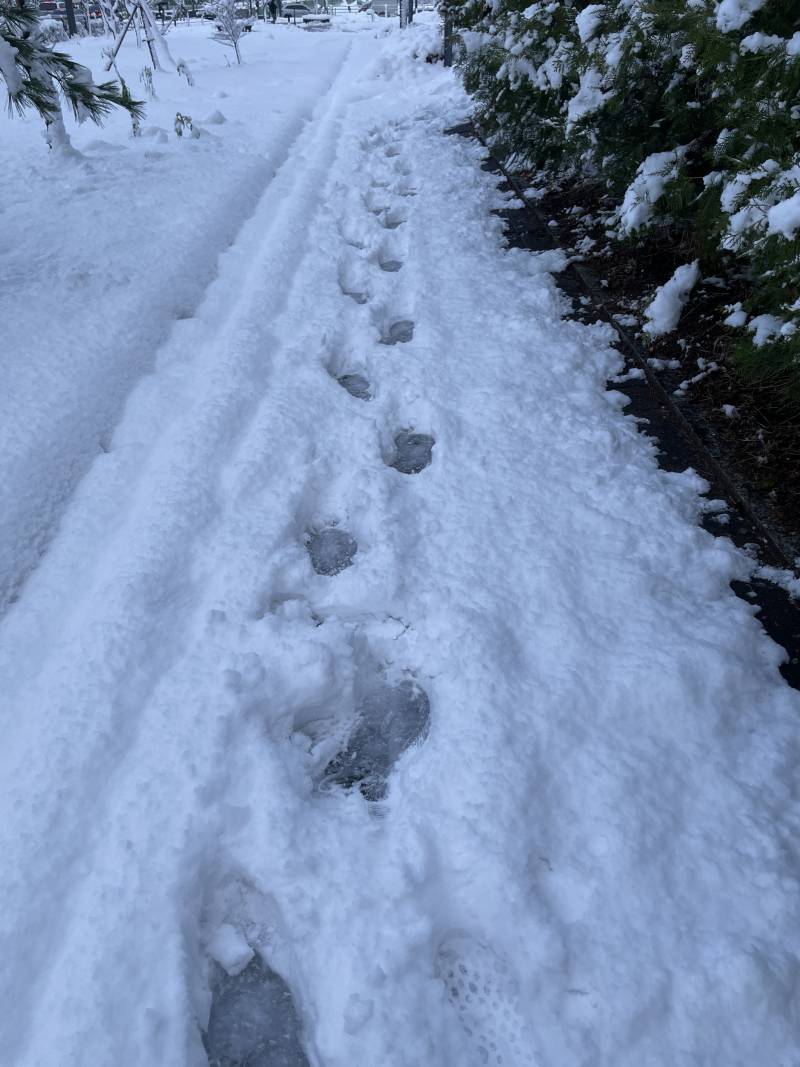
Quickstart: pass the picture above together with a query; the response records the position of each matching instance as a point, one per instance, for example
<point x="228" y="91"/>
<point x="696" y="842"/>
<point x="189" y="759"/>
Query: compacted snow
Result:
<point x="370" y="697"/>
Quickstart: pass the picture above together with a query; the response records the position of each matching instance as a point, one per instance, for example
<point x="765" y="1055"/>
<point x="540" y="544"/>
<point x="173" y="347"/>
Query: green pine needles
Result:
<point x="686" y="112"/>
<point x="36" y="76"/>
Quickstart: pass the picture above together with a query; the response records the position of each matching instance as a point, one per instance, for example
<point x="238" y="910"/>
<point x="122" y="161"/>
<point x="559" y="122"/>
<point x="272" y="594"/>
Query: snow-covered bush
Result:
<point x="52" y="31"/>
<point x="37" y="76"/>
<point x="685" y="112"/>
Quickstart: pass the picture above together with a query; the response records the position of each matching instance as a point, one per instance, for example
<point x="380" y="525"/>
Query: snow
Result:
<point x="737" y="315"/>
<point x="765" y="328"/>
<point x="784" y="217"/>
<point x="761" y="42"/>
<point x="230" y="949"/>
<point x="588" y="20"/>
<point x="8" y="68"/>
<point x="588" y="98"/>
<point x="647" y="188"/>
<point x="580" y="787"/>
<point x="664" y="310"/>
<point x="733" y="14"/>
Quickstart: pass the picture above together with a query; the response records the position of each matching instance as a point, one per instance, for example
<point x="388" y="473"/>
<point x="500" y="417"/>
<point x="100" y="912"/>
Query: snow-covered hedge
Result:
<point x="687" y="112"/>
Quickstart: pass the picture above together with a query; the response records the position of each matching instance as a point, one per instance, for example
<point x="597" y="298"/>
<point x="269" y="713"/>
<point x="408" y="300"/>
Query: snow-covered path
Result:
<point x="586" y="854"/>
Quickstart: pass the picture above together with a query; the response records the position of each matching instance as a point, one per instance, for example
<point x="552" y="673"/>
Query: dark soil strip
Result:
<point x="678" y="443"/>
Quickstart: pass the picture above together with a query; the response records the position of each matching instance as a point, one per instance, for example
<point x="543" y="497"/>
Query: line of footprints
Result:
<point x="253" y="1020"/>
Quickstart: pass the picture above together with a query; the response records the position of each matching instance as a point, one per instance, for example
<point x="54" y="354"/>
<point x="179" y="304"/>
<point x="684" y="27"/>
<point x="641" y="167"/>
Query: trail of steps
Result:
<point x="342" y="697"/>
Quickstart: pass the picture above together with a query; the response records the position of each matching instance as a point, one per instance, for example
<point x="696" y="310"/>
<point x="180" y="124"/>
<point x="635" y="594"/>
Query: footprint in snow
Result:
<point x="331" y="550"/>
<point x="413" y="452"/>
<point x="389" y="720"/>
<point x="360" y="298"/>
<point x="391" y="219"/>
<point x="391" y="266"/>
<point x="398" y="333"/>
<point x="253" y="1020"/>
<point x="356" y="385"/>
<point x="353" y="281"/>
<point x="377" y="199"/>
<point x="484" y="992"/>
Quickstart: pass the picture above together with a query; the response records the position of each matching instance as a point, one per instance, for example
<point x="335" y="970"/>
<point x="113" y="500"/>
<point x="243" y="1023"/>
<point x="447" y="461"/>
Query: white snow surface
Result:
<point x="590" y="858"/>
<point x="664" y="310"/>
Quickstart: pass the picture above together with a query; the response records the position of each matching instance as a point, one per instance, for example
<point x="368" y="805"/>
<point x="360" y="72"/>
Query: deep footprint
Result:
<point x="356" y="385"/>
<point x="399" y="333"/>
<point x="391" y="266"/>
<point x="331" y="550"/>
<point x="253" y="1021"/>
<point x="390" y="220"/>
<point x="413" y="452"/>
<point x="391" y="718"/>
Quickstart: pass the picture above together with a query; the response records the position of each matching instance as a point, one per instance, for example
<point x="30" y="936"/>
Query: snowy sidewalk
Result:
<point x="376" y="644"/>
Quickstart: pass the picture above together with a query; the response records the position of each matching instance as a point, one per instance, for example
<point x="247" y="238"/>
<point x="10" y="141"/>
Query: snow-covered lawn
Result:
<point x="308" y="485"/>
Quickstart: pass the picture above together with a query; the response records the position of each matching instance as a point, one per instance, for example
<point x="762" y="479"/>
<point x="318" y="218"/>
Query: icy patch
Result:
<point x="413" y="452"/>
<point x="390" y="720"/>
<point x="485" y="994"/>
<point x="356" y="385"/>
<point x="331" y="550"/>
<point x="253" y="1021"/>
<point x="399" y="333"/>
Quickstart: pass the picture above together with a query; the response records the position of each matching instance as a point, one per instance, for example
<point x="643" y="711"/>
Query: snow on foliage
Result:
<point x="36" y="76"/>
<point x="664" y="311"/>
<point x="784" y="218"/>
<point x="684" y="114"/>
<point x="648" y="187"/>
<point x="589" y="21"/>
<point x="733" y="14"/>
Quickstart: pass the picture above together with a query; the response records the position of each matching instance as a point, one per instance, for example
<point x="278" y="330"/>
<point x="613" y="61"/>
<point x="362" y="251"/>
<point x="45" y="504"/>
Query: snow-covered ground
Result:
<point x="575" y="841"/>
